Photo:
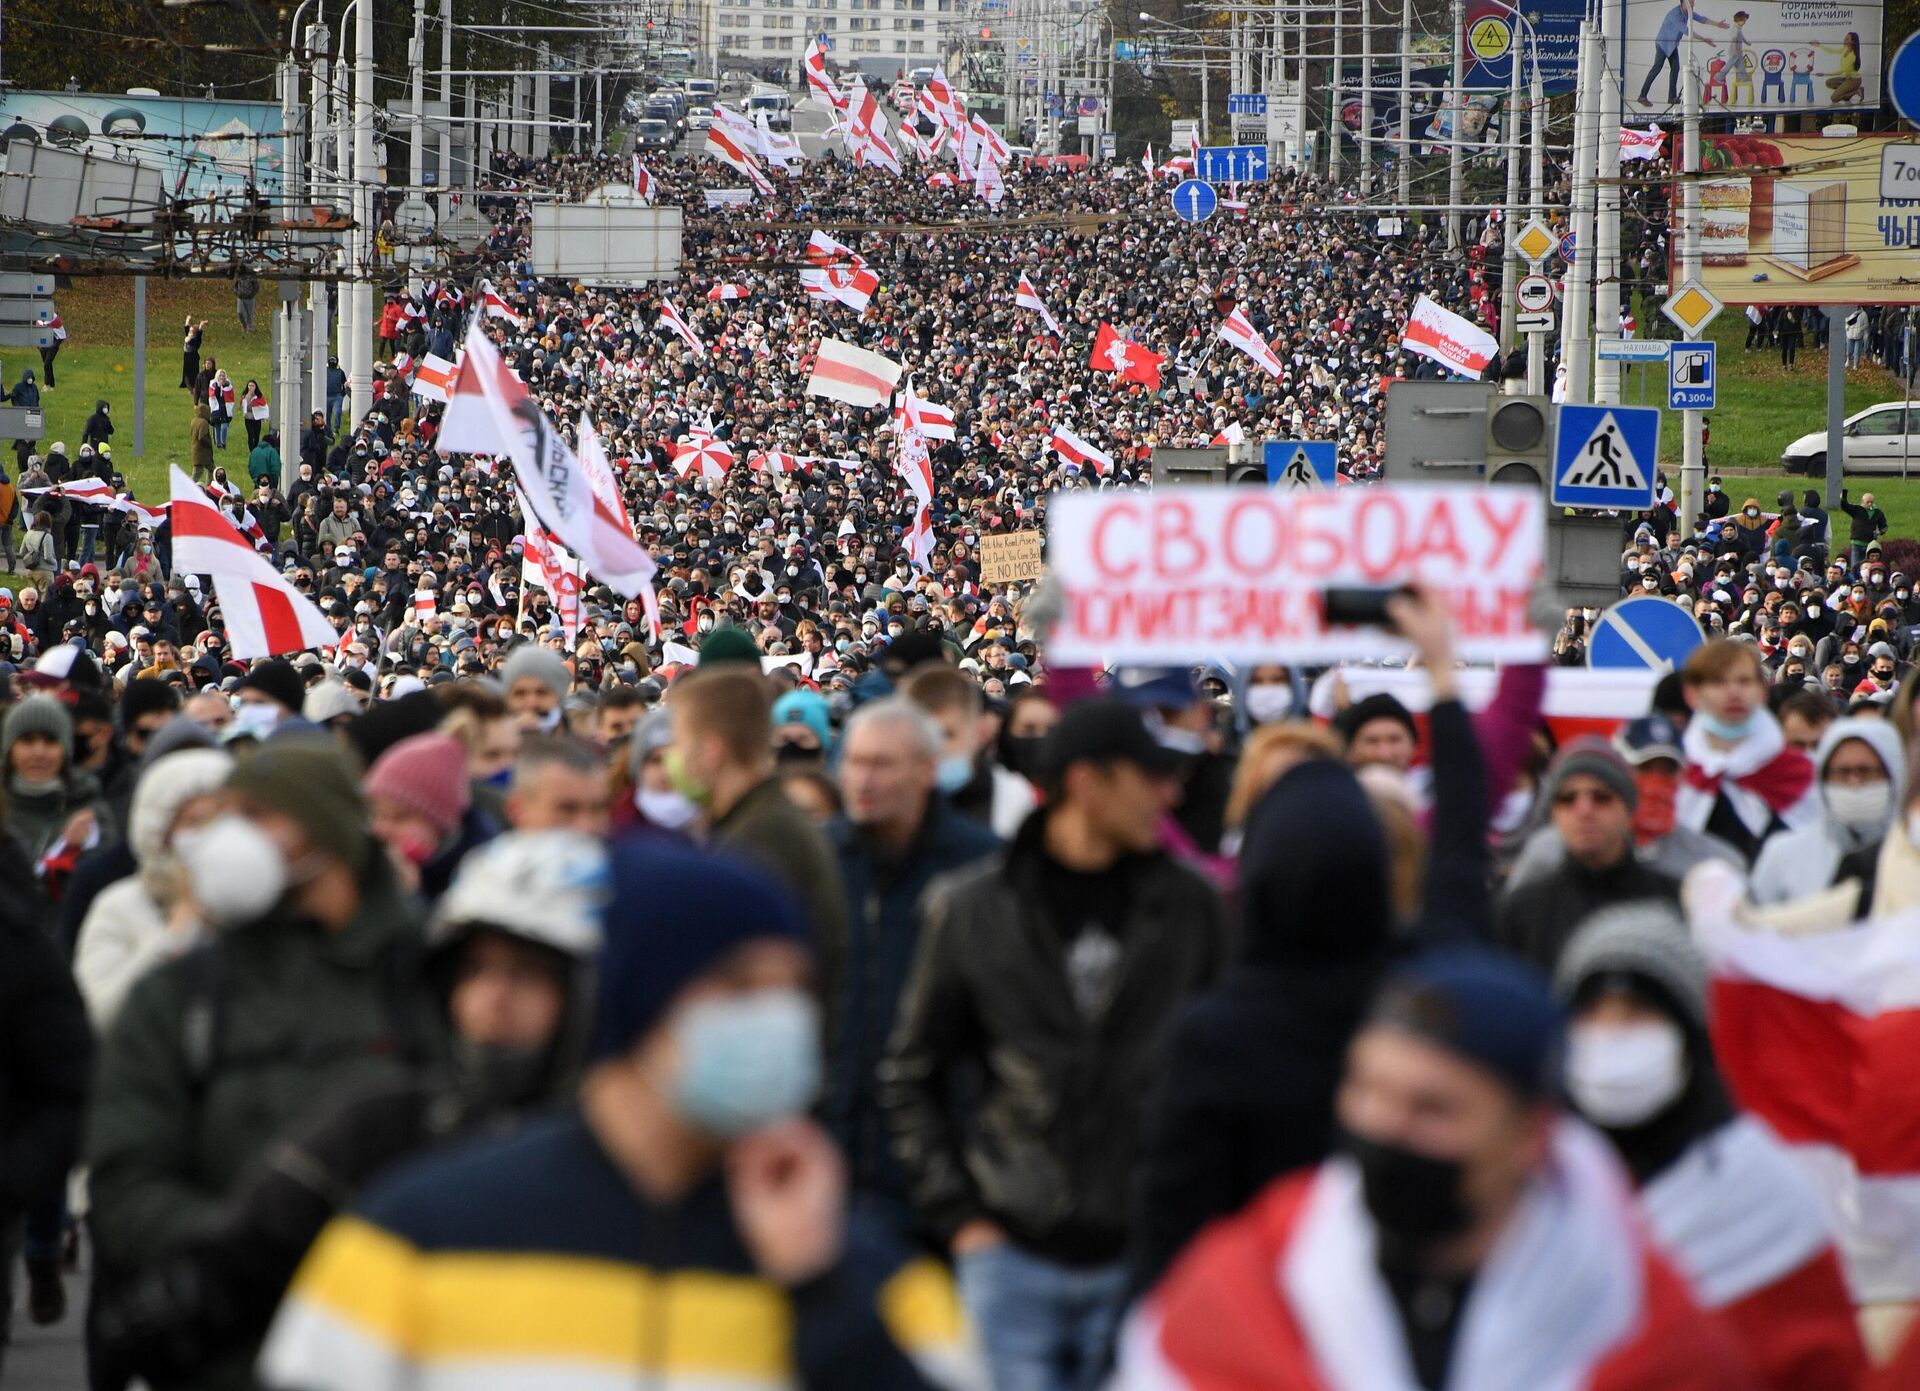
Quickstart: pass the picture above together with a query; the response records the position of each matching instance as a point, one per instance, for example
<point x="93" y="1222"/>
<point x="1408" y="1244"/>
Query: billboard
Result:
<point x="1488" y="43"/>
<point x="200" y="147"/>
<point x="1798" y="219"/>
<point x="1754" y="56"/>
<point x="606" y="243"/>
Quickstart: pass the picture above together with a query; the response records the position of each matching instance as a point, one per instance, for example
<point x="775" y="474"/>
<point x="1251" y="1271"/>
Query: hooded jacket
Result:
<point x="1795" y="863"/>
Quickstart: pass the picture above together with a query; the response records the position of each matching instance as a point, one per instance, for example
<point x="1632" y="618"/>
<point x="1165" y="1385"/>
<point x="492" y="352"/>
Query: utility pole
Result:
<point x="1333" y="96"/>
<point x="326" y="144"/>
<point x="445" y="180"/>
<point x="1693" y="448"/>
<point x="1577" y="340"/>
<point x="359" y="359"/>
<point x="541" y="139"/>
<point x="1403" y="156"/>
<point x="1366" y="97"/>
<point x="1456" y="148"/>
<point x="1536" y="201"/>
<point x="1606" y="231"/>
<point x="1510" y="264"/>
<point x="417" y="65"/>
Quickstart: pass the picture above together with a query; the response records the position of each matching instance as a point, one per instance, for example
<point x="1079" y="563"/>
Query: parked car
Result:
<point x="653" y="134"/>
<point x="1878" y="439"/>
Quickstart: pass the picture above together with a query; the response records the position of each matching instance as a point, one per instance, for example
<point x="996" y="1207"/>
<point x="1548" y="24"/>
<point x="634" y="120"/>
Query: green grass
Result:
<point x="97" y="364"/>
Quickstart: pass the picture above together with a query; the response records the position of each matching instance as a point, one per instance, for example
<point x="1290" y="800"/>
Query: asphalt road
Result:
<point x="47" y="1359"/>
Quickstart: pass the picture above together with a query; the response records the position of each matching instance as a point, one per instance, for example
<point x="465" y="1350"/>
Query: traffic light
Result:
<point x="1519" y="440"/>
<point x="985" y="32"/>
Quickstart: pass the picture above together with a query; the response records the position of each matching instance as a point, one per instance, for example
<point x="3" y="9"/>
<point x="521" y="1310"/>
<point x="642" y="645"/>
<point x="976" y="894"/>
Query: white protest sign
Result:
<point x="1238" y="574"/>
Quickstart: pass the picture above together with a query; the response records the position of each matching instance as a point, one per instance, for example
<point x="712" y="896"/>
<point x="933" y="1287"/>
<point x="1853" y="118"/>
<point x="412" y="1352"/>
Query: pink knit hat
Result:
<point x="426" y="774"/>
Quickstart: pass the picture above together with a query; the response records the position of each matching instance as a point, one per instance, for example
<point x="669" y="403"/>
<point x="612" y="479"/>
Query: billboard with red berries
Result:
<point x="1798" y="219"/>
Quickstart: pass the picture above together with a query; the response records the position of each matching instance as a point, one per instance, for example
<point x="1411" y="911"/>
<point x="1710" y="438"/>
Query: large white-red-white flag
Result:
<point x="938" y="102"/>
<point x="1234" y="433"/>
<point x="814" y="63"/>
<point x="1816" y="1033"/>
<point x="1075" y="450"/>
<point x="842" y="372"/>
<point x="1453" y="342"/>
<point x="933" y="420"/>
<point x="1239" y="331"/>
<point x="726" y="147"/>
<point x="265" y="616"/>
<point x="1026" y="297"/>
<point x="867" y="138"/>
<point x="490" y="403"/>
<point x="606" y="491"/>
<point x="434" y="378"/>
<point x="496" y="305"/>
<point x="546" y="563"/>
<point x="838" y="273"/>
<point x="673" y="319"/>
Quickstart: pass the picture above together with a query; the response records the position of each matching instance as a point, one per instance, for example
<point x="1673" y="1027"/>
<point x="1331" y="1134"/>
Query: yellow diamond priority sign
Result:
<point x="1536" y="241"/>
<point x="1692" y="306"/>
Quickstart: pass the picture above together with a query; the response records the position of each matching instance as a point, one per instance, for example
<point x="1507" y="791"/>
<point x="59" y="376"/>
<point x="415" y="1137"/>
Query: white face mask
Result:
<point x="1270" y="702"/>
<point x="669" y="810"/>
<point x="234" y="868"/>
<point x="1621" y="1077"/>
<point x="1867" y="807"/>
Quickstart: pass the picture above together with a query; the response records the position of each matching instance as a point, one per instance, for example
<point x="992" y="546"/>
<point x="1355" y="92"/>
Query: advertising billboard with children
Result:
<point x="1756" y="56"/>
<point x="1798" y="219"/>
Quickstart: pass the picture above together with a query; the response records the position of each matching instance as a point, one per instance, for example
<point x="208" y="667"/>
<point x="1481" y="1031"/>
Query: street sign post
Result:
<point x="1692" y="307"/>
<point x="1644" y="633"/>
<point x="1534" y="293"/>
<point x="1633" y="349"/>
<point x="1194" y="201"/>
<point x="1604" y="456"/>
<point x="1304" y="464"/>
<point x="1227" y="164"/>
<point x="1536" y="321"/>
<point x="1536" y="241"/>
<point x="1246" y="103"/>
<point x="1692" y="375"/>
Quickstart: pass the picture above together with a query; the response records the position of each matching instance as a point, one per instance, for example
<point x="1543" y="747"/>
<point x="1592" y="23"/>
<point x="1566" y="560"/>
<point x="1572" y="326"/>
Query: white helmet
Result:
<point x="547" y="887"/>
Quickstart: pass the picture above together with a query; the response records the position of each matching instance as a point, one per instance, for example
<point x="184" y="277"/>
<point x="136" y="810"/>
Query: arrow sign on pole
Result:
<point x="1195" y="200"/>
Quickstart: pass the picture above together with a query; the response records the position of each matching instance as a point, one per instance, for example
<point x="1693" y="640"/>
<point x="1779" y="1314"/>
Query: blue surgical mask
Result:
<point x="955" y="772"/>
<point x="1723" y="729"/>
<point x="746" y="1061"/>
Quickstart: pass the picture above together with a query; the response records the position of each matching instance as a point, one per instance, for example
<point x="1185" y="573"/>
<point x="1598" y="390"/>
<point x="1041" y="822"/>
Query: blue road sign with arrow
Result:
<point x="1692" y="375"/>
<point x="1903" y="79"/>
<point x="1231" y="164"/>
<point x="1604" y="456"/>
<point x="1301" y="463"/>
<point x="1644" y="633"/>
<point x="1194" y="201"/>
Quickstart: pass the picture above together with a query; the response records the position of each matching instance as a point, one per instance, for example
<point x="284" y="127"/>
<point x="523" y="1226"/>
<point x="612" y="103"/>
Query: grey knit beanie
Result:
<point x="542" y="664"/>
<point x="1646" y="938"/>
<point x="38" y="714"/>
<point x="1596" y="758"/>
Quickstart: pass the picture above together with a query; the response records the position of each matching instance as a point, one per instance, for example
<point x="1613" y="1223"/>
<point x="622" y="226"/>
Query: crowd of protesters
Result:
<point x="824" y="990"/>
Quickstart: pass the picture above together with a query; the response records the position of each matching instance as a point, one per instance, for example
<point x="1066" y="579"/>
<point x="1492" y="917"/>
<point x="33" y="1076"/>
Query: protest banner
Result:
<point x="1011" y="558"/>
<point x="1232" y="574"/>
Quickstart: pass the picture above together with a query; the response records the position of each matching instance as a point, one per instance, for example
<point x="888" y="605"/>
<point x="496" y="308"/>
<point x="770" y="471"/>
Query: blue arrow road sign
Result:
<point x="1195" y="201"/>
<point x="1301" y="463"/>
<point x="1246" y="104"/>
<point x="1692" y="374"/>
<point x="1644" y="633"/>
<point x="1903" y="79"/>
<point x="1604" y="456"/>
<point x="1232" y="164"/>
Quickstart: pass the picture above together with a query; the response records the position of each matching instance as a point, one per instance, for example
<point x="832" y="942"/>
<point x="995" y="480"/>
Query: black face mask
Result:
<point x="1415" y="1199"/>
<point x="1021" y="753"/>
<point x="791" y="755"/>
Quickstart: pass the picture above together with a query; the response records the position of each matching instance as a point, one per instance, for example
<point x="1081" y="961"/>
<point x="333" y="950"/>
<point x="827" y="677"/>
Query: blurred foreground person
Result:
<point x="681" y="1226"/>
<point x="1721" y="1194"/>
<point x="1469" y="1237"/>
<point x="510" y="962"/>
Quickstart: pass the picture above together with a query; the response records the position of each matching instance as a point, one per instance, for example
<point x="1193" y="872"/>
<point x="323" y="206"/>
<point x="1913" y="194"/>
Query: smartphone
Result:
<point x="1357" y="606"/>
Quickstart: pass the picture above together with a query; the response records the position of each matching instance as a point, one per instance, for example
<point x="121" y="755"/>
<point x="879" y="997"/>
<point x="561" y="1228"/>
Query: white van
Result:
<point x="777" y="105"/>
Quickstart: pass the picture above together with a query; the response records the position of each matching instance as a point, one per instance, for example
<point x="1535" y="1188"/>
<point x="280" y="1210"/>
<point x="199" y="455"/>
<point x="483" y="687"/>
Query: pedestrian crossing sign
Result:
<point x="1605" y="456"/>
<point x="1301" y="464"/>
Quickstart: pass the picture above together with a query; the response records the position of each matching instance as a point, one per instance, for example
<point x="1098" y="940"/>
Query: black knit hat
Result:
<point x="277" y="679"/>
<point x="1378" y="706"/>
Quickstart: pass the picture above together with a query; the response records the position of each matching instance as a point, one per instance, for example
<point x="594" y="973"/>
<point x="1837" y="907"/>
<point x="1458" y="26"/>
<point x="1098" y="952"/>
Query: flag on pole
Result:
<point x="724" y="146"/>
<point x="933" y="421"/>
<point x="1455" y="343"/>
<point x="643" y="181"/>
<point x="1075" y="450"/>
<point x="842" y="372"/>
<point x="424" y="604"/>
<point x="1131" y="361"/>
<point x="674" y="320"/>
<point x="496" y="307"/>
<point x="490" y="404"/>
<point x="776" y="147"/>
<point x="815" y="65"/>
<point x="867" y="135"/>
<point x="989" y="183"/>
<point x="1146" y="160"/>
<point x="1238" y="330"/>
<point x="1026" y="297"/>
<point x="606" y="492"/>
<point x="264" y="615"/>
<point x="837" y="273"/>
<point x="988" y="141"/>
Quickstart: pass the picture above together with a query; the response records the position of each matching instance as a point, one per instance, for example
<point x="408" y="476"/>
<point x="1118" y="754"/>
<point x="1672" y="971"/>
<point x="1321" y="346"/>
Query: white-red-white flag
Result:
<point x="837" y="273"/>
<point x="1650" y="143"/>
<point x="989" y="184"/>
<point x="1026" y="297"/>
<point x="606" y="492"/>
<point x="425" y="605"/>
<point x="673" y="319"/>
<point x="643" y="181"/>
<point x="726" y="147"/>
<point x="1146" y="160"/>
<point x="842" y="372"/>
<point x="547" y="564"/>
<point x="1233" y="434"/>
<point x="264" y="615"/>
<point x="434" y="378"/>
<point x="920" y="537"/>
<point x="987" y="142"/>
<point x="497" y="307"/>
<point x="930" y="418"/>
<point x="1075" y="450"/>
<point x="867" y="135"/>
<point x="939" y="104"/>
<point x="777" y="148"/>
<point x="814" y="63"/>
<point x="1455" y="343"/>
<point x="1239" y="331"/>
<point x="491" y="404"/>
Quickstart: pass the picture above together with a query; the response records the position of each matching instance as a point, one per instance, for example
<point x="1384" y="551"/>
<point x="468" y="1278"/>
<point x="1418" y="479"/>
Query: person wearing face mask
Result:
<point x="537" y="680"/>
<point x="1721" y="1194"/>
<point x="977" y="787"/>
<point x="684" y="1187"/>
<point x="802" y="730"/>
<point x="1467" y="1234"/>
<point x="1270" y="695"/>
<point x="1750" y="530"/>
<point x="1859" y="764"/>
<point x="306" y="983"/>
<point x="1744" y="782"/>
<point x="509" y="964"/>
<point x="1030" y="714"/>
<point x="898" y="833"/>
<point x="420" y="804"/>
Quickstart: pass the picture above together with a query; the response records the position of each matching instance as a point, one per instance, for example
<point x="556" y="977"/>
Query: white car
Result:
<point x="1878" y="439"/>
<point x="699" y="117"/>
